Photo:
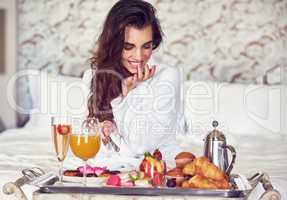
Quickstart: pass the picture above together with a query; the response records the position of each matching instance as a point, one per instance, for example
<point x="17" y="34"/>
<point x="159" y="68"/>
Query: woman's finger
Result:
<point x="104" y="137"/>
<point x="105" y="140"/>
<point x="135" y="80"/>
<point x="146" y="72"/>
<point x="106" y="131"/>
<point x="140" y="73"/>
<point x="152" y="70"/>
<point x="109" y="126"/>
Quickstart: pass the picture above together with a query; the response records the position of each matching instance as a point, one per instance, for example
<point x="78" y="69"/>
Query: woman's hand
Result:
<point x="142" y="74"/>
<point x="107" y="128"/>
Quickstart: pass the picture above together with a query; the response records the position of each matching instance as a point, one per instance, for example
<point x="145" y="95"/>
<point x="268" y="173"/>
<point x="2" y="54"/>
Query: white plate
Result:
<point x="95" y="181"/>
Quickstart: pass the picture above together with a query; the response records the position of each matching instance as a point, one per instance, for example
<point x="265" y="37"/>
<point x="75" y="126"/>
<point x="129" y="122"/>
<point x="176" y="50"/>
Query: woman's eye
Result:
<point x="148" y="46"/>
<point x="128" y="47"/>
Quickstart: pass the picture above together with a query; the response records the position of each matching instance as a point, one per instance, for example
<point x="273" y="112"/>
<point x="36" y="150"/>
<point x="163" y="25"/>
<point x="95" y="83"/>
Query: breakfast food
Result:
<point x="199" y="181"/>
<point x="72" y="173"/>
<point x="90" y="171"/>
<point x="204" y="167"/>
<point x="183" y="158"/>
<point x="95" y="175"/>
<point x="63" y="129"/>
<point x="205" y="175"/>
<point x="176" y="175"/>
<point x="128" y="179"/>
<point x="175" y="172"/>
<point x="153" y="167"/>
<point x="114" y="180"/>
<point x="202" y="182"/>
<point x="192" y="172"/>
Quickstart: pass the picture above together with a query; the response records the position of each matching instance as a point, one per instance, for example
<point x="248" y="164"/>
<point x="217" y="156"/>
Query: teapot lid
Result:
<point x="215" y="134"/>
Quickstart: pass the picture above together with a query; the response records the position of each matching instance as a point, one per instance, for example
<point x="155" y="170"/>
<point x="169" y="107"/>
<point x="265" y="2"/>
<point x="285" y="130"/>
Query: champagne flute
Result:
<point x="86" y="143"/>
<point x="61" y="131"/>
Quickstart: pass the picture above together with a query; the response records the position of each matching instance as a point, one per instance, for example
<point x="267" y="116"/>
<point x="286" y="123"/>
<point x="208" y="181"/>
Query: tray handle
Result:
<point x="270" y="193"/>
<point x="15" y="188"/>
<point x="11" y="188"/>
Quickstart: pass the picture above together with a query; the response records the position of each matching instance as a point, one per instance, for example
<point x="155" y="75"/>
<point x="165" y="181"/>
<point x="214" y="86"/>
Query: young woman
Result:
<point x="134" y="98"/>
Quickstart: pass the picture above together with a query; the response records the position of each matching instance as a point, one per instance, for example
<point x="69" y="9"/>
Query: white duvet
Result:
<point x="32" y="147"/>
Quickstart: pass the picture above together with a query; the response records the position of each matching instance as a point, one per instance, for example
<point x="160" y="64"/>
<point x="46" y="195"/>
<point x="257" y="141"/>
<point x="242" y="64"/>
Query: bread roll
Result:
<point x="183" y="158"/>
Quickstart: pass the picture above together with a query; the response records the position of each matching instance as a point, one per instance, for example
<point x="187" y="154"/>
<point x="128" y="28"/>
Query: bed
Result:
<point x="259" y="148"/>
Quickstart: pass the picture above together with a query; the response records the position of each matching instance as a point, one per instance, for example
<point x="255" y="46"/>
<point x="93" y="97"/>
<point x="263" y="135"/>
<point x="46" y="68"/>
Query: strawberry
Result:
<point x="114" y="180"/>
<point x="159" y="167"/>
<point x="63" y="129"/>
<point x="151" y="160"/>
<point x="147" y="169"/>
<point x="142" y="165"/>
<point x="157" y="154"/>
<point x="157" y="179"/>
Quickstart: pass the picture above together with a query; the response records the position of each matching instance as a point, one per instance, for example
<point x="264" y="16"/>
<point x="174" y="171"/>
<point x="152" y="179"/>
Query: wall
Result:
<point x="221" y="40"/>
<point x="224" y="40"/>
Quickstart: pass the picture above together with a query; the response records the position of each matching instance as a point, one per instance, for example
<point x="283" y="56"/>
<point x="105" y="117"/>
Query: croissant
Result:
<point x="189" y="169"/>
<point x="185" y="184"/>
<point x="202" y="166"/>
<point x="202" y="182"/>
<point x="223" y="184"/>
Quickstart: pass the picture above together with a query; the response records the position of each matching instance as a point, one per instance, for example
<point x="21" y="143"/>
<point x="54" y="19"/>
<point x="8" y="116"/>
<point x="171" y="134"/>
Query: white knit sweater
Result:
<point x="151" y="115"/>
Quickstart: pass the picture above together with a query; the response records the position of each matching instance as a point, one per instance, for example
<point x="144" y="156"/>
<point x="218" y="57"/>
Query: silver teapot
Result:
<point x="215" y="149"/>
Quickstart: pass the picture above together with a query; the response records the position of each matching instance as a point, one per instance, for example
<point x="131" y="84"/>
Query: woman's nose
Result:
<point x="138" y="54"/>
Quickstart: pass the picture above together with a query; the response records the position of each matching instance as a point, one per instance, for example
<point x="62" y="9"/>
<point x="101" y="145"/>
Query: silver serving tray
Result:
<point x="49" y="187"/>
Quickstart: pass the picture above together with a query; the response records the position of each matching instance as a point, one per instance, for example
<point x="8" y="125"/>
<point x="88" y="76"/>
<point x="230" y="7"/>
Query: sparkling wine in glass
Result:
<point x="86" y="143"/>
<point x="61" y="131"/>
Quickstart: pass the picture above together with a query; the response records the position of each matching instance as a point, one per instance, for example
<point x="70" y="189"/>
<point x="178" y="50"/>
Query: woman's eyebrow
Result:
<point x="127" y="43"/>
<point x="147" y="43"/>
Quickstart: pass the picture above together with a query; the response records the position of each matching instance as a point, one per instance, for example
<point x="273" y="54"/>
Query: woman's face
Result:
<point x="137" y="47"/>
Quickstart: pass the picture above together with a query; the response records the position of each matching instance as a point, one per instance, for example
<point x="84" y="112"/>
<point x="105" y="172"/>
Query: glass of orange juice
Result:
<point x="86" y="142"/>
<point x="61" y="131"/>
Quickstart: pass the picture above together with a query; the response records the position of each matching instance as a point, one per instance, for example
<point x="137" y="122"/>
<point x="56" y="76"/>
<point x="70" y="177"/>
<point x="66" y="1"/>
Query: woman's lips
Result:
<point x="135" y="64"/>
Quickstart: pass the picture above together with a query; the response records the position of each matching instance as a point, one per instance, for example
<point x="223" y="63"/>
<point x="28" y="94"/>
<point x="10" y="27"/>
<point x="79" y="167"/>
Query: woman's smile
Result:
<point x="135" y="64"/>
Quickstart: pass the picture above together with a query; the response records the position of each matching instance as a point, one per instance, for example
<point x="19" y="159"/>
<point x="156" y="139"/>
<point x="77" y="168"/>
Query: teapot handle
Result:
<point x="233" y="153"/>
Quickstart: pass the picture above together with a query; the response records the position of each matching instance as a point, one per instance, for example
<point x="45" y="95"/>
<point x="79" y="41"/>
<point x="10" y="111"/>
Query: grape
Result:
<point x="171" y="182"/>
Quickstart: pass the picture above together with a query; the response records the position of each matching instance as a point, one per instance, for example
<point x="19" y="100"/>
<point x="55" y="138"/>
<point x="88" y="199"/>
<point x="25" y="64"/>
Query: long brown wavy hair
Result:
<point x="108" y="71"/>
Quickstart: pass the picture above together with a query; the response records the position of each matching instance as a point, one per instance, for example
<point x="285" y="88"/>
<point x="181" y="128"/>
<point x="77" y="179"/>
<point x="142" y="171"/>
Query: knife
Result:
<point x="114" y="145"/>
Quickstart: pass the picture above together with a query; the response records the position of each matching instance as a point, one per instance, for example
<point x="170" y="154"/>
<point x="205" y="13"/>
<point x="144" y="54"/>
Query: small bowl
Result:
<point x="178" y="179"/>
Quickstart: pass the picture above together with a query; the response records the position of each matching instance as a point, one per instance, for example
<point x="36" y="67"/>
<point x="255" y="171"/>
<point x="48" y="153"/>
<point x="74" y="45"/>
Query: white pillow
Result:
<point x="56" y="95"/>
<point x="240" y="109"/>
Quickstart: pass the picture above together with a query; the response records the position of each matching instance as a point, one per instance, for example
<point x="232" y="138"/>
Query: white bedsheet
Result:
<point x="32" y="147"/>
